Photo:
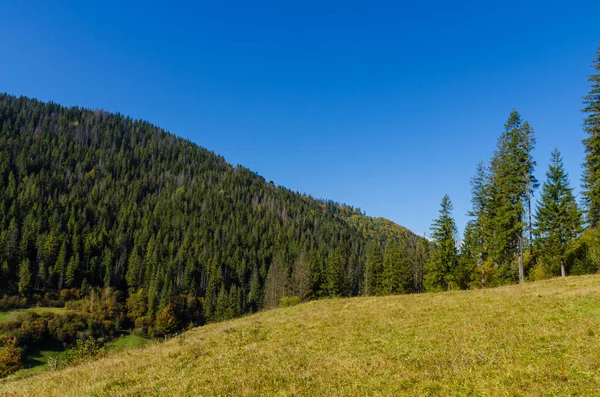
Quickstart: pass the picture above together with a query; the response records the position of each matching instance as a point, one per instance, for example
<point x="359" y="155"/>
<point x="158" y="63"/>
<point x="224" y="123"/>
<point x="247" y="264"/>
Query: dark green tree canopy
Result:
<point x="557" y="220"/>
<point x="442" y="265"/>
<point x="591" y="125"/>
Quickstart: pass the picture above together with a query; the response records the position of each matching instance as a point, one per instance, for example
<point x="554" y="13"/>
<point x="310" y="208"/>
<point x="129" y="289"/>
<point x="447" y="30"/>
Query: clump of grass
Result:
<point x="531" y="339"/>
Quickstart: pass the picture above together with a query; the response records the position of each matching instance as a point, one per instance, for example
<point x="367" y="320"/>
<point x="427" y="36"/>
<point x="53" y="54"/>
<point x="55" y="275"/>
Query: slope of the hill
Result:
<point x="92" y="199"/>
<point x="535" y="339"/>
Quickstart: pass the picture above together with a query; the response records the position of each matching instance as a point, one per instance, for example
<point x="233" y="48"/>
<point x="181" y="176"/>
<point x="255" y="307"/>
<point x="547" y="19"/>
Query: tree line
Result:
<point x="509" y="237"/>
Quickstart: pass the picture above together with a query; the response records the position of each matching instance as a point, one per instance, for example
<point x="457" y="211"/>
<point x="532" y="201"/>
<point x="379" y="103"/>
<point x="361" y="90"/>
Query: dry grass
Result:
<point x="540" y="339"/>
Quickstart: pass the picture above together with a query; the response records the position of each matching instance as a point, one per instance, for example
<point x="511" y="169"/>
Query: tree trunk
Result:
<point x="530" y="225"/>
<point x="563" y="273"/>
<point x="521" y="271"/>
<point x="482" y="264"/>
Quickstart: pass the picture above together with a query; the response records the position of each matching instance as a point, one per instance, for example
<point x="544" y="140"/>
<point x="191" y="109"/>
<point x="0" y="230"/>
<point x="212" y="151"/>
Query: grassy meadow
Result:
<point x="537" y="339"/>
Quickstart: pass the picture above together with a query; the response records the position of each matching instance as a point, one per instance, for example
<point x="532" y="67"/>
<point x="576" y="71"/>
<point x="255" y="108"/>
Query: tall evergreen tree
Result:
<point x="558" y="220"/>
<point x="420" y="258"/>
<point x="24" y="277"/>
<point x="335" y="272"/>
<point x="512" y="184"/>
<point x="591" y="125"/>
<point x="373" y="273"/>
<point x="477" y="230"/>
<point x="397" y="277"/>
<point x="441" y="267"/>
<point x="470" y="259"/>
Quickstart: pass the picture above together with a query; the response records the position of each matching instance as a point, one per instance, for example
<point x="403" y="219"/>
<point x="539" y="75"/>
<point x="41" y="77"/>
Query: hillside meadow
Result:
<point x="539" y="339"/>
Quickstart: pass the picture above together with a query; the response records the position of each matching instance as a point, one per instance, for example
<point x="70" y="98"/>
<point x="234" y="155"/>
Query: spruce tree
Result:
<point x="469" y="258"/>
<point x="511" y="187"/>
<point x="558" y="220"/>
<point x="374" y="270"/>
<point x="335" y="273"/>
<point x="591" y="125"/>
<point x="441" y="267"/>
<point x="24" y="277"/>
<point x="477" y="229"/>
<point x="392" y="267"/>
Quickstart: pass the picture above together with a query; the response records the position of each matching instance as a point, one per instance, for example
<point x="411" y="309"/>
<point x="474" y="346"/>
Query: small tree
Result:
<point x="166" y="321"/>
<point x="373" y="273"/>
<point x="558" y="220"/>
<point x="24" y="277"/>
<point x="441" y="267"/>
<point x="335" y="273"/>
<point x="10" y="356"/>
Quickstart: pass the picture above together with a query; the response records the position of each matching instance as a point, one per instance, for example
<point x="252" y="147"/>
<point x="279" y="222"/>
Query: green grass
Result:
<point x="537" y="339"/>
<point x="9" y="315"/>
<point x="128" y="342"/>
<point x="39" y="358"/>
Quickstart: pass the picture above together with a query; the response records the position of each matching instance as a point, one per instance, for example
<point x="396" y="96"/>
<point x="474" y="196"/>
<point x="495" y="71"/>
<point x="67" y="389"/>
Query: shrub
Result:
<point x="288" y="301"/>
<point x="142" y="326"/>
<point x="89" y="349"/>
<point x="539" y="272"/>
<point x="12" y="302"/>
<point x="10" y="356"/>
<point x="65" y="328"/>
<point x="70" y="294"/>
<point x="166" y="322"/>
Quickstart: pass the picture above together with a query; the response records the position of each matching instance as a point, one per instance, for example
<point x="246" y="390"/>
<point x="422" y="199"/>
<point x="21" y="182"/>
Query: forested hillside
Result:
<point x="91" y="200"/>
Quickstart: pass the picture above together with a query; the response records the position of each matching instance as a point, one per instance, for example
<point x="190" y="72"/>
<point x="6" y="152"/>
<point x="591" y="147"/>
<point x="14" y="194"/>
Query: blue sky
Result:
<point x="386" y="106"/>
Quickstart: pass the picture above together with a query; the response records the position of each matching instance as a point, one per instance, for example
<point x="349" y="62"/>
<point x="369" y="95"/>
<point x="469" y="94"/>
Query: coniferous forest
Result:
<point x="132" y="228"/>
<point x="95" y="200"/>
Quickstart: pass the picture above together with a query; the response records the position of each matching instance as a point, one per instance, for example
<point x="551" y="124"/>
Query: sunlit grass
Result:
<point x="128" y="342"/>
<point x="11" y="314"/>
<point x="539" y="339"/>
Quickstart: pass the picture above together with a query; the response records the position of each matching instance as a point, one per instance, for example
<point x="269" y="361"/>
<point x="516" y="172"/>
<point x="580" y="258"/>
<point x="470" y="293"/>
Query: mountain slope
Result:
<point x="92" y="199"/>
<point x="535" y="339"/>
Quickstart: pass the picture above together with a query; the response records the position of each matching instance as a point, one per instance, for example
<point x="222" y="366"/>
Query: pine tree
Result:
<point x="61" y="265"/>
<point x="391" y="280"/>
<point x="335" y="273"/>
<point x="441" y="267"/>
<point x="134" y="271"/>
<point x="591" y="125"/>
<point x="24" y="277"/>
<point x="374" y="270"/>
<point x="420" y="258"/>
<point x="511" y="187"/>
<point x="558" y="220"/>
<point x="477" y="229"/>
<point x="316" y="275"/>
<point x="71" y="271"/>
<point x="470" y="259"/>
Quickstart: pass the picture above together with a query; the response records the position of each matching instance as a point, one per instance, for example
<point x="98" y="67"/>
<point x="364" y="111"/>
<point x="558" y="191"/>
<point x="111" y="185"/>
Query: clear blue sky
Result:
<point x="385" y="106"/>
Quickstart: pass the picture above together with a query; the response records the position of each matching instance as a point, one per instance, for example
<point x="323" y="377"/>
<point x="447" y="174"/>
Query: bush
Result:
<point x="89" y="349"/>
<point x="142" y="326"/>
<point x="12" y="302"/>
<point x="166" y="322"/>
<point x="70" y="294"/>
<point x="288" y="301"/>
<point x="10" y="356"/>
<point x="539" y="272"/>
<point x="65" y="328"/>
